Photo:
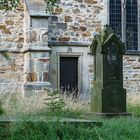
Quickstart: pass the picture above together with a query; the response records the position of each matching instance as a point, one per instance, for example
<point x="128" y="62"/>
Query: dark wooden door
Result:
<point x="69" y="74"/>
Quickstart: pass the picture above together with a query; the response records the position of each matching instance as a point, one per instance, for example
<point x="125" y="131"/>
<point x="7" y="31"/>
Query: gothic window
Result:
<point x="123" y="18"/>
<point x="131" y="25"/>
<point x="115" y="16"/>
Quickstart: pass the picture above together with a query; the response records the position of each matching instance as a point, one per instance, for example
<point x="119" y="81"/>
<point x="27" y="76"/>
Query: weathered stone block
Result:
<point x="97" y="11"/>
<point x="79" y="1"/>
<point x="54" y="18"/>
<point x="40" y="76"/>
<point x="39" y="22"/>
<point x="19" y="45"/>
<point x="45" y="76"/>
<point x="53" y="39"/>
<point x="39" y="66"/>
<point x="29" y="65"/>
<point x="39" y="54"/>
<point x="19" y="62"/>
<point x="62" y="25"/>
<point x="46" y="66"/>
<point x="45" y="37"/>
<point x="28" y="37"/>
<point x="32" y="87"/>
<point x="76" y="11"/>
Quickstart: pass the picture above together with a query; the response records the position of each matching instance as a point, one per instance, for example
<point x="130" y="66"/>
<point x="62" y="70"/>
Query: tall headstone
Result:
<point x="108" y="95"/>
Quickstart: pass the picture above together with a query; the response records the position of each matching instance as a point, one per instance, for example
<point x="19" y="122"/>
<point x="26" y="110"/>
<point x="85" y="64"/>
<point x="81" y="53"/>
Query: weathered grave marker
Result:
<point x="108" y="96"/>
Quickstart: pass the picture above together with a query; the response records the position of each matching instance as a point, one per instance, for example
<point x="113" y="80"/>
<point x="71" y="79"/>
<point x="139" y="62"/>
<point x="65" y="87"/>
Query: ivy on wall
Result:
<point x="12" y="4"/>
<point x="51" y="4"/>
<point x="8" y="4"/>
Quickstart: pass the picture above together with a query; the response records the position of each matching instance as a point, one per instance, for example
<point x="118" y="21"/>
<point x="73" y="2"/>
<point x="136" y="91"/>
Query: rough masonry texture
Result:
<point x="36" y="41"/>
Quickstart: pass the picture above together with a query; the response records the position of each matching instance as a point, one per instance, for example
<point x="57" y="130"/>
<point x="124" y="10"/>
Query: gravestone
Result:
<point x="108" y="95"/>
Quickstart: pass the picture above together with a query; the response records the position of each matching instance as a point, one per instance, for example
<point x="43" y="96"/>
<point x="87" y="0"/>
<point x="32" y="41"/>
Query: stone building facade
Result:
<point x="37" y="43"/>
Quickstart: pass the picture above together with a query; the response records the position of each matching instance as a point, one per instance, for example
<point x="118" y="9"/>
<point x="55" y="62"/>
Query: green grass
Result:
<point x="135" y="109"/>
<point x="119" y="128"/>
<point x="127" y="128"/>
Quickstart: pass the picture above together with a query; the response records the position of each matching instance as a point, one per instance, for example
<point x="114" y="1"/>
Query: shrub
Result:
<point x="55" y="103"/>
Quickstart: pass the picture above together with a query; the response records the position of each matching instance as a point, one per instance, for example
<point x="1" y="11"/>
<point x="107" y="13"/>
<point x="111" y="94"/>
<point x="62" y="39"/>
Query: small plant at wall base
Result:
<point x="55" y="103"/>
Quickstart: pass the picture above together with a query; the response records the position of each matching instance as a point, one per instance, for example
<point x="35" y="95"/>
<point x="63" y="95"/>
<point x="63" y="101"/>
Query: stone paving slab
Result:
<point x="13" y="119"/>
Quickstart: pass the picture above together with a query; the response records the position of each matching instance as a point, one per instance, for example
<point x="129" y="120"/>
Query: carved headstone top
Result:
<point x="104" y="38"/>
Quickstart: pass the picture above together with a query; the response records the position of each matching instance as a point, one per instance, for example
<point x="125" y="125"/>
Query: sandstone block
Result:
<point x="68" y="19"/>
<point x="6" y="31"/>
<point x="74" y="28"/>
<point x="9" y="40"/>
<point x="91" y="1"/>
<point x="65" y="39"/>
<point x="82" y="28"/>
<point x="33" y="36"/>
<point x="58" y="10"/>
<point x="2" y="27"/>
<point x="86" y="34"/>
<point x="31" y="77"/>
<point x="98" y="29"/>
<point x="20" y="40"/>
<point x="9" y="22"/>
<point x="7" y="76"/>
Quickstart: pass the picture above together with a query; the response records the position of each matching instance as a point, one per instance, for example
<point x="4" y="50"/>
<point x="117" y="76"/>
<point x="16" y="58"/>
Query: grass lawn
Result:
<point x="119" y="128"/>
<point x="126" y="128"/>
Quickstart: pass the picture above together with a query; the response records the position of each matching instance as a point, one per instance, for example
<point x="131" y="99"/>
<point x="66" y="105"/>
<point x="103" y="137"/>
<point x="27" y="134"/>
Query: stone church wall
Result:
<point x="11" y="39"/>
<point x="74" y="23"/>
<point x="77" y="21"/>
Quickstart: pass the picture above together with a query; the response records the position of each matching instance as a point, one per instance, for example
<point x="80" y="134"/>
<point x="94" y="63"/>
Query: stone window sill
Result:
<point x="132" y="53"/>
